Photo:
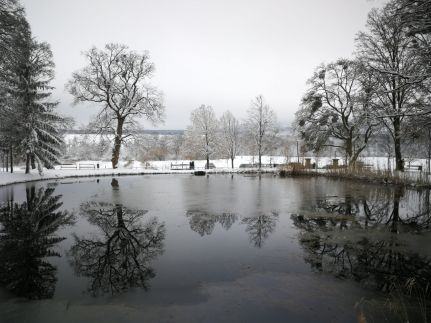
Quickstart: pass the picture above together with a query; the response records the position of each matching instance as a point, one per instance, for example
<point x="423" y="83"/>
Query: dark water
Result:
<point x="216" y="249"/>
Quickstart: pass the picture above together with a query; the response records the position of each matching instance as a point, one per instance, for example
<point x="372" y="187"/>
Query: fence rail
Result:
<point x="86" y="166"/>
<point x="181" y="166"/>
<point x="68" y="166"/>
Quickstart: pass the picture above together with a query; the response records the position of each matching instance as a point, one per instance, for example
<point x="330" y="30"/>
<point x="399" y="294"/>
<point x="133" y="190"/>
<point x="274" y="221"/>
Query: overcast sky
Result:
<point x="216" y="52"/>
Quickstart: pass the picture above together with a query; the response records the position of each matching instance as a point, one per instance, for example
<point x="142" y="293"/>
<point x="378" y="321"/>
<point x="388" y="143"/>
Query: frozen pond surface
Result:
<point x="213" y="249"/>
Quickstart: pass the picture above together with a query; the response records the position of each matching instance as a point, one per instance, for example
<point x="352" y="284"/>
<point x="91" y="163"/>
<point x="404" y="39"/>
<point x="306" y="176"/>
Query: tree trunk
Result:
<point x="11" y="159"/>
<point x="260" y="158"/>
<point x="429" y="151"/>
<point x="30" y="193"/>
<point x="398" y="194"/>
<point x="429" y="160"/>
<point x="7" y="162"/>
<point x="355" y="156"/>
<point x="232" y="158"/>
<point x="117" y="143"/>
<point x="119" y="212"/>
<point x="27" y="163"/>
<point x="297" y="151"/>
<point x="399" y="163"/>
<point x="207" y="166"/>
<point x="32" y="161"/>
<point x="349" y="152"/>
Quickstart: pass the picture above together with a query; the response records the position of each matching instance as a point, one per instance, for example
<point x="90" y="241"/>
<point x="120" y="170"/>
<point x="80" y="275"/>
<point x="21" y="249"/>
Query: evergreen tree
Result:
<point x="28" y="124"/>
<point x="14" y="38"/>
<point x="39" y="137"/>
<point x="28" y="238"/>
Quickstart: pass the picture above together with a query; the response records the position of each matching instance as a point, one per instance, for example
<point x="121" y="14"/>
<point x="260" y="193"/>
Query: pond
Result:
<point x="221" y="248"/>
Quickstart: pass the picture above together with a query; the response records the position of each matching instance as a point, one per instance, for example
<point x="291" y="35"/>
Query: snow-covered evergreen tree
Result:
<point x="39" y="137"/>
<point x="14" y="37"/>
<point x="28" y="124"/>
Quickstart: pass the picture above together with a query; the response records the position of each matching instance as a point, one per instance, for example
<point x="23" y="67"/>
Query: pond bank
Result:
<point x="406" y="179"/>
<point x="20" y="177"/>
<point x="414" y="180"/>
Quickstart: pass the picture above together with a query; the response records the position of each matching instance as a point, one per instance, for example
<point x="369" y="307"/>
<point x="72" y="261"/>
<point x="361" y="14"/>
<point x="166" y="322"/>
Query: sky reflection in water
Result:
<point x="222" y="248"/>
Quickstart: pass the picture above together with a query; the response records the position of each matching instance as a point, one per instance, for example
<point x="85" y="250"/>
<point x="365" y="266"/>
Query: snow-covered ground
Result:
<point x="381" y="163"/>
<point x="86" y="168"/>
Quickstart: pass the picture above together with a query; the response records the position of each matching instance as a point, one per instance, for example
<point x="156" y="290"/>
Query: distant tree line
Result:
<point x="209" y="136"/>
<point x="383" y="90"/>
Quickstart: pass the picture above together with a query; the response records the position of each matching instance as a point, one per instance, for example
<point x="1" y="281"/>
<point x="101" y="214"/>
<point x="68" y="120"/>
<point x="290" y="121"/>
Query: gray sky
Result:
<point x="216" y="52"/>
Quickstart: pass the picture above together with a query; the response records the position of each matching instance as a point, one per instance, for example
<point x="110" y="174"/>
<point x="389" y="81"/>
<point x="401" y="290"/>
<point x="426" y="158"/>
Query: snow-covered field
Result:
<point x="86" y="168"/>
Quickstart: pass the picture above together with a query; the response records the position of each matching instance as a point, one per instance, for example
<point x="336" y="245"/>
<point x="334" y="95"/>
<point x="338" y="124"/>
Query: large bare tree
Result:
<point x="261" y="126"/>
<point x="119" y="256"/>
<point x="117" y="79"/>
<point x="337" y="106"/>
<point x="415" y="16"/>
<point x="386" y="49"/>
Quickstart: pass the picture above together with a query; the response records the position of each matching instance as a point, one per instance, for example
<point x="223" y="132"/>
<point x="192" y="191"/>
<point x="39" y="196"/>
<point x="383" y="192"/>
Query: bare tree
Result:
<point x="117" y="79"/>
<point x="417" y="141"/>
<point x="337" y="106"/>
<point x="120" y="257"/>
<point x="203" y="222"/>
<point x="386" y="50"/>
<point x="415" y="16"/>
<point x="229" y="135"/>
<point x="175" y="144"/>
<point x="201" y="136"/>
<point x="260" y="227"/>
<point x="261" y="126"/>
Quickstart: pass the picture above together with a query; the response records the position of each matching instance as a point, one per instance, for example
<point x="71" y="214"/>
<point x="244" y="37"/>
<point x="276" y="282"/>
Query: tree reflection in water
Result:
<point x="27" y="238"/>
<point x="119" y="257"/>
<point x="370" y="244"/>
<point x="204" y="222"/>
<point x="260" y="227"/>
